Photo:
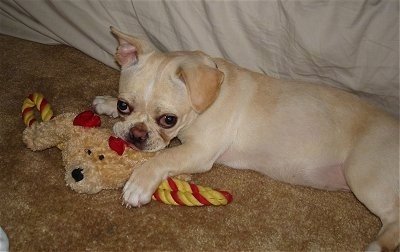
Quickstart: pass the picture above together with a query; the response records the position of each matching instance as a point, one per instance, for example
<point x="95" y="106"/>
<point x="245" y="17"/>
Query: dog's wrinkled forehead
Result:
<point x="154" y="81"/>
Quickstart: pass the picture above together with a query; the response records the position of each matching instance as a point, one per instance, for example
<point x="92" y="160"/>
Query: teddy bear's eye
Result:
<point x="88" y="151"/>
<point x="101" y="157"/>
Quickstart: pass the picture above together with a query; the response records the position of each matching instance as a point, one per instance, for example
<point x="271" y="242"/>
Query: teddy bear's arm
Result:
<point x="48" y="134"/>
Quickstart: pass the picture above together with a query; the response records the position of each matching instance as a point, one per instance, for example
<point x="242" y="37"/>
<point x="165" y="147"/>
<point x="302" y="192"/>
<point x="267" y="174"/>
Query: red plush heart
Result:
<point x="87" y="119"/>
<point x="117" y="144"/>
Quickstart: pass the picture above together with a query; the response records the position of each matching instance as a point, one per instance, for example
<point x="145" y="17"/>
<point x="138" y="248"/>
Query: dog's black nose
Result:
<point x="77" y="174"/>
<point x="138" y="135"/>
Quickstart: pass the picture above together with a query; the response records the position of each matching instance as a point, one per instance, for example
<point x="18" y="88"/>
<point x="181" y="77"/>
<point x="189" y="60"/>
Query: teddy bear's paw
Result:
<point x="40" y="136"/>
<point x="28" y="137"/>
<point x="106" y="105"/>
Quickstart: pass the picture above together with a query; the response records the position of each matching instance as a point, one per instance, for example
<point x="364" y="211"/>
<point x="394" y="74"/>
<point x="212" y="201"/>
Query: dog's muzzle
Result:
<point x="138" y="135"/>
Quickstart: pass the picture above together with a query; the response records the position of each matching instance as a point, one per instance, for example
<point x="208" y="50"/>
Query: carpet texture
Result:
<point x="39" y="213"/>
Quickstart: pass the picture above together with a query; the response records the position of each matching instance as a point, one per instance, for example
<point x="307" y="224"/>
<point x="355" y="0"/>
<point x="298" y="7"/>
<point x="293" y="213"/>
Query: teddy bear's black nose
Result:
<point x="77" y="174"/>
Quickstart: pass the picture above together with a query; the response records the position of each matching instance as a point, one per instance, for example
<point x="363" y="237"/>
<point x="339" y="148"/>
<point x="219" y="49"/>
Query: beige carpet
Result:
<point x="39" y="213"/>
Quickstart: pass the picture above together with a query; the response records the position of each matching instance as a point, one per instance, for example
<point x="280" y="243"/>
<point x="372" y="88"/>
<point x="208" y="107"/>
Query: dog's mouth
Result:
<point x="141" y="138"/>
<point x="137" y="142"/>
<point x="138" y="135"/>
<point x="132" y="146"/>
<point x="143" y="144"/>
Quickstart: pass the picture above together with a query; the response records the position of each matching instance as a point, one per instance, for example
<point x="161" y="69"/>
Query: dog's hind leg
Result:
<point x="372" y="173"/>
<point x="386" y="238"/>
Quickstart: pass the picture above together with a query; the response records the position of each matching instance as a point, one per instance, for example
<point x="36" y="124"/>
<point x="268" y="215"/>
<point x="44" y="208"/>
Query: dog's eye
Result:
<point x="167" y="121"/>
<point x="123" y="107"/>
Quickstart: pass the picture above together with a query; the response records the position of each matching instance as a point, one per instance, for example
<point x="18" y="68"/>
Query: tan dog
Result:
<point x="299" y="133"/>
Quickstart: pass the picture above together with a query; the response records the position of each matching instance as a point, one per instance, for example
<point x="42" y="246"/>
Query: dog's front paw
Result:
<point x="140" y="187"/>
<point x="106" y="105"/>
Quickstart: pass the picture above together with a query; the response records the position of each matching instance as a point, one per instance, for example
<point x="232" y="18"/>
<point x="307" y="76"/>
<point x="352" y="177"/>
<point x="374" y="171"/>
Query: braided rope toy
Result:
<point x="177" y="192"/>
<point x="171" y="191"/>
<point x="36" y="100"/>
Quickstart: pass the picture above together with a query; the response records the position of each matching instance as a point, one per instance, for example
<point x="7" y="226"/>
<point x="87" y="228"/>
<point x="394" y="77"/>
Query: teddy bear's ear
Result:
<point x="87" y="119"/>
<point x="48" y="134"/>
<point x="118" y="145"/>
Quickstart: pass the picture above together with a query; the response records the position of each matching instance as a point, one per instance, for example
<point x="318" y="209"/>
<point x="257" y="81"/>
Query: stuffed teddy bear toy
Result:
<point x="94" y="159"/>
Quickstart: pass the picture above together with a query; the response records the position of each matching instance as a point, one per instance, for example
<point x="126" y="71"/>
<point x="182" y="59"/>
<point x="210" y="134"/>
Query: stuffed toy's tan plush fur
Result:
<point x="93" y="158"/>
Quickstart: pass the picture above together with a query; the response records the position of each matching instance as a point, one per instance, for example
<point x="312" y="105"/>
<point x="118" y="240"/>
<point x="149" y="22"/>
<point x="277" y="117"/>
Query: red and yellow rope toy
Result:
<point x="177" y="192"/>
<point x="171" y="191"/>
<point x="36" y="100"/>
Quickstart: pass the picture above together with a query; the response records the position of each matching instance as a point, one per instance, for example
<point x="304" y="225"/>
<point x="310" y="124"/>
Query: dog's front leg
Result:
<point x="170" y="162"/>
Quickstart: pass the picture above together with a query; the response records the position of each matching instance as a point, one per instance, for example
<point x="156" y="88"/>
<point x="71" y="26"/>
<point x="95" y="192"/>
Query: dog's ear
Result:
<point x="203" y="84"/>
<point x="130" y="48"/>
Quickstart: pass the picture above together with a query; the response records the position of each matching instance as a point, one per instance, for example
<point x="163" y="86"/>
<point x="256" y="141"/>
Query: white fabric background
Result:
<point x="352" y="44"/>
